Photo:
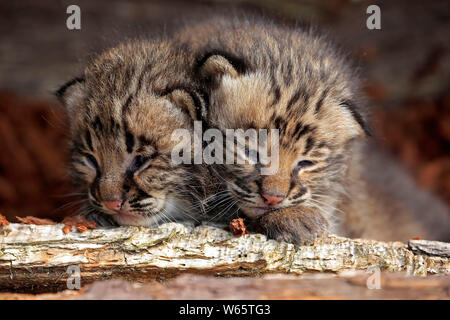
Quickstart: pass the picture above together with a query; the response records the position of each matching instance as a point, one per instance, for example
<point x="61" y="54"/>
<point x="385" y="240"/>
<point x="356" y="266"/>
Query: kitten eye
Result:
<point x="304" y="164"/>
<point x="138" y="162"/>
<point x="91" y="161"/>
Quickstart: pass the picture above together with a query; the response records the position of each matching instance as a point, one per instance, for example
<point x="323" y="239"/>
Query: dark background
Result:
<point x="405" y="67"/>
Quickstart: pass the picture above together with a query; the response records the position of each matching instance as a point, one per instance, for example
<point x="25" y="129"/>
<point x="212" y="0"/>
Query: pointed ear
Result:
<point x="216" y="64"/>
<point x="190" y="101"/>
<point x="71" y="93"/>
<point x="358" y="118"/>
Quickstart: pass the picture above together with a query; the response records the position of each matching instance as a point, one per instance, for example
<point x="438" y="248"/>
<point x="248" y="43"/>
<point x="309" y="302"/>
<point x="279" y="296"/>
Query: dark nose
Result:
<point x="271" y="200"/>
<point x="113" y="205"/>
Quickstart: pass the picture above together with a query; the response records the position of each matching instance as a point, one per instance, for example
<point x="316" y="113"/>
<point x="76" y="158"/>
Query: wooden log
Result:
<point x="36" y="258"/>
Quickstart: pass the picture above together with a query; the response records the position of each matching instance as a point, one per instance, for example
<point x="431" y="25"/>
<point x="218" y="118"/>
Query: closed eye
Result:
<point x="304" y="164"/>
<point x="91" y="161"/>
<point x="138" y="162"/>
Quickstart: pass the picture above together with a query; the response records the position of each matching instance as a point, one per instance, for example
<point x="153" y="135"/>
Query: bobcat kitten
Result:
<point x="122" y="112"/>
<point x="261" y="75"/>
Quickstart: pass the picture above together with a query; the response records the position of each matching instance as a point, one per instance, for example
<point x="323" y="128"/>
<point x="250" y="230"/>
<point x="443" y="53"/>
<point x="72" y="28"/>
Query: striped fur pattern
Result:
<point x="122" y="112"/>
<point x="262" y="75"/>
<point x="238" y="74"/>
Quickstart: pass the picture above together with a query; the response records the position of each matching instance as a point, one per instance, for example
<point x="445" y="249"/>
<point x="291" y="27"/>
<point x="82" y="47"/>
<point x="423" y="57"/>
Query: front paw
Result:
<point x="295" y="225"/>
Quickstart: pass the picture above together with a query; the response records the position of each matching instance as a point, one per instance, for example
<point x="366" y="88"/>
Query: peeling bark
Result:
<point x="36" y="258"/>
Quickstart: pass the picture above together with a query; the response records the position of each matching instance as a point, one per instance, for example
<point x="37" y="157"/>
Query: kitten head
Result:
<point x="122" y="111"/>
<point x="294" y="82"/>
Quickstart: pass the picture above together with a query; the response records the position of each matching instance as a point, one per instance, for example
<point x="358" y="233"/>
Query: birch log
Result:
<point x="37" y="258"/>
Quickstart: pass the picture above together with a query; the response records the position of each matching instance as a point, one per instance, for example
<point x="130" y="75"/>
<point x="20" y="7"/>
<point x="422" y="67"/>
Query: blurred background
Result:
<point x="405" y="65"/>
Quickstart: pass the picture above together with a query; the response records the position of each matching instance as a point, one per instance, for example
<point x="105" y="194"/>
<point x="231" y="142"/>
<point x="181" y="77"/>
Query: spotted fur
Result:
<point x="263" y="75"/>
<point x="123" y="110"/>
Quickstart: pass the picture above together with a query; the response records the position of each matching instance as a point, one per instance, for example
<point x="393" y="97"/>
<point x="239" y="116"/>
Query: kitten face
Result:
<point x="121" y="124"/>
<point x="290" y="81"/>
<point x="312" y="147"/>
<point x="127" y="160"/>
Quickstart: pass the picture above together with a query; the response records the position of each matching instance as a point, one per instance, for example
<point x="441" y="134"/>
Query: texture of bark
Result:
<point x="36" y="258"/>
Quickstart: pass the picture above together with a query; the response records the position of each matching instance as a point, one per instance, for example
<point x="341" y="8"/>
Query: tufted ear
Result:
<point x="216" y="64"/>
<point x="71" y="93"/>
<point x="189" y="100"/>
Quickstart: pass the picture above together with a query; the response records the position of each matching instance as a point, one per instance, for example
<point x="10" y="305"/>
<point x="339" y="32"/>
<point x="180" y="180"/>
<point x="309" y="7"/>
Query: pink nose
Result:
<point x="113" y="205"/>
<point x="271" y="200"/>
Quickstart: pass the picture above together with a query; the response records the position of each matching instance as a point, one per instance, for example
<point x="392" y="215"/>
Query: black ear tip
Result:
<point x="358" y="117"/>
<point x="59" y="93"/>
<point x="62" y="90"/>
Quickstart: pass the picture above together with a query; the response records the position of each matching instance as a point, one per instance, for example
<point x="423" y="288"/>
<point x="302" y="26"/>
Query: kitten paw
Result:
<point x="294" y="225"/>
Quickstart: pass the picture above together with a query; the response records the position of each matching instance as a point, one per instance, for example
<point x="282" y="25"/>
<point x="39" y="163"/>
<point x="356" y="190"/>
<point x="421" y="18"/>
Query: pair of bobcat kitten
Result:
<point x="239" y="74"/>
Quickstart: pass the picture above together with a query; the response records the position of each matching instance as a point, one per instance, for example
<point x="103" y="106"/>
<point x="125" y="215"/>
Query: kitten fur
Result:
<point x="260" y="74"/>
<point x="123" y="110"/>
